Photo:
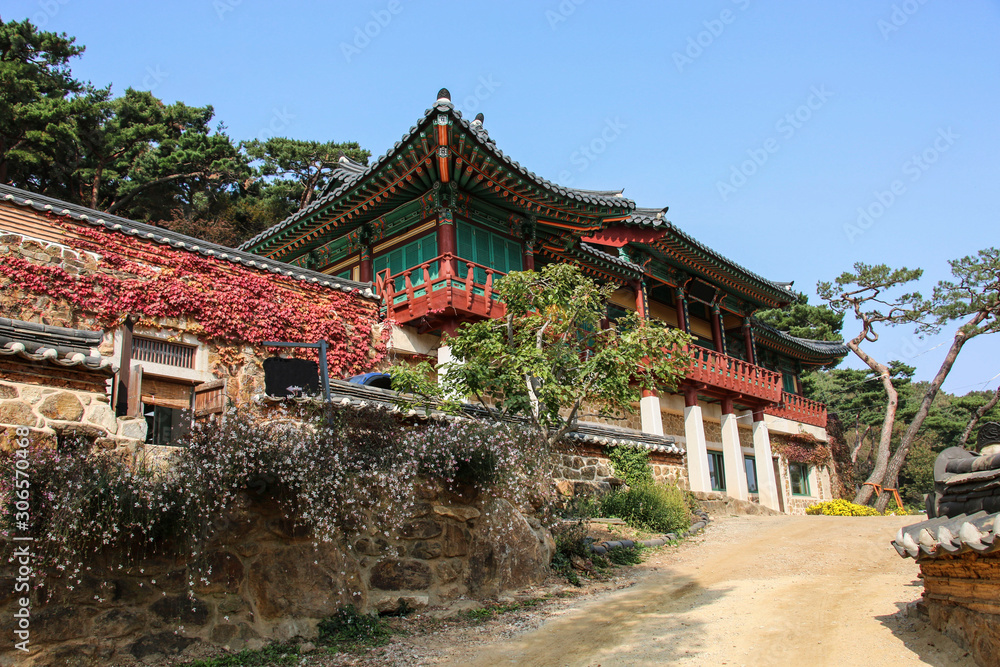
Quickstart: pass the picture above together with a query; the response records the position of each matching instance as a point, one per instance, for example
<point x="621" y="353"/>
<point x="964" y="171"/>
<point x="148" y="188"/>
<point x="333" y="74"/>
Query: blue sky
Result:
<point x="765" y="127"/>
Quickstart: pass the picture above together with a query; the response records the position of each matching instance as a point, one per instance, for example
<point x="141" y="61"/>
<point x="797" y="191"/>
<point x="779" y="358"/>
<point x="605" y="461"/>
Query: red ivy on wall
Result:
<point x="228" y="302"/>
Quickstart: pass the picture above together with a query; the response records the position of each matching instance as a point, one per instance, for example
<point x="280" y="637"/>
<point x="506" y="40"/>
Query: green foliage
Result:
<point x="272" y="654"/>
<point x="349" y="629"/>
<point x="658" y="508"/>
<point x="917" y="476"/>
<point x="803" y="320"/>
<point x="491" y="610"/>
<point x="625" y="555"/>
<point x="552" y="335"/>
<point x="137" y="156"/>
<point x="841" y="507"/>
<point x="571" y="541"/>
<point x="631" y="464"/>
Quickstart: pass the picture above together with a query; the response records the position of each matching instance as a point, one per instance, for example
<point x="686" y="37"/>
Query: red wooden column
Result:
<point x="720" y="345"/>
<point x="748" y="341"/>
<point x="365" y="274"/>
<point x="682" y="316"/>
<point x="529" y="255"/>
<point x="640" y="299"/>
<point x="446" y="241"/>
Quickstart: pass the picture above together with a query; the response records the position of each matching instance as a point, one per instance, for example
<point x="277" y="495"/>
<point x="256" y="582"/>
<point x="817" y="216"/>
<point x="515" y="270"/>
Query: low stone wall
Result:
<point x="268" y="580"/>
<point x="589" y="463"/>
<point x="962" y="599"/>
<point x="52" y="413"/>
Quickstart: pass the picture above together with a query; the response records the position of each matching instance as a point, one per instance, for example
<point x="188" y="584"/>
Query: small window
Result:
<point x="163" y="425"/>
<point x="798" y="474"/>
<point x="751" y="467"/>
<point x="717" y="471"/>
<point x="164" y="352"/>
<point x="789" y="381"/>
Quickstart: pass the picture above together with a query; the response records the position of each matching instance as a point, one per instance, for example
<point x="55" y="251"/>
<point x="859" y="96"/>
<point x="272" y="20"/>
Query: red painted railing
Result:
<point x="443" y="282"/>
<point x="800" y="409"/>
<point x="741" y="377"/>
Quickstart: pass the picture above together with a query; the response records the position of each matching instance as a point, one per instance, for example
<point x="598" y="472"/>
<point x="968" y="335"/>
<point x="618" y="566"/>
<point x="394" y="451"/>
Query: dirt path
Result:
<point x="752" y="591"/>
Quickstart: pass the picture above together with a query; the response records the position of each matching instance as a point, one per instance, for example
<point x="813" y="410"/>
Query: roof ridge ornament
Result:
<point x="444" y="96"/>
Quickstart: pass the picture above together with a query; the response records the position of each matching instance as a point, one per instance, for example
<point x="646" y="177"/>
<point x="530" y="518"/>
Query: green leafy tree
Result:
<point x="868" y="293"/>
<point x="973" y="298"/>
<point x="804" y="320"/>
<point x="37" y="92"/>
<point x="550" y="362"/>
<point x="295" y="170"/>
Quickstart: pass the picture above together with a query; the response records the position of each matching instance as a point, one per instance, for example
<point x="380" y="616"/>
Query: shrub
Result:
<point x="347" y="628"/>
<point x="841" y="507"/>
<point x="631" y="464"/>
<point x="625" y="555"/>
<point x="347" y="472"/>
<point x="657" y="508"/>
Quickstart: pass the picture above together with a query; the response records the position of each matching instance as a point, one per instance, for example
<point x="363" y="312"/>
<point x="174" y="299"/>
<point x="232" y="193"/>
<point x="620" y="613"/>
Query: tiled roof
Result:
<point x="823" y="348"/>
<point x="356" y="395"/>
<point x="610" y="198"/>
<point x="55" y="345"/>
<point x="175" y="240"/>
<point x="653" y="218"/>
<point x="949" y="536"/>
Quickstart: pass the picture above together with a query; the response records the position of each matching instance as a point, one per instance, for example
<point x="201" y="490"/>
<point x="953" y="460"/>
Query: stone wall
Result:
<point x="53" y="413"/>
<point x="962" y="599"/>
<point x="589" y="464"/>
<point x="268" y="580"/>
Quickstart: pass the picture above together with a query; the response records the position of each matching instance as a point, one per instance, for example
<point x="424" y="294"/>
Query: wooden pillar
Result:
<point x="720" y="344"/>
<point x="640" y="298"/>
<point x="365" y="274"/>
<point x="446" y="241"/>
<point x="682" y="311"/>
<point x="529" y="256"/>
<point x="124" y="378"/>
<point x="748" y="341"/>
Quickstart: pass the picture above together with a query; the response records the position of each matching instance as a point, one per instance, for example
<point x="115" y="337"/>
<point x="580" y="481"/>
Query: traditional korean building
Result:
<point x="443" y="215"/>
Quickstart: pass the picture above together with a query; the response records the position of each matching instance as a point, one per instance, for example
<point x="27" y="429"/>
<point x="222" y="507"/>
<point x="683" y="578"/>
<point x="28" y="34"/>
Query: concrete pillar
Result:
<point x="697" y="451"/>
<point x="767" y="485"/>
<point x="649" y="410"/>
<point x="444" y="357"/>
<point x="732" y="454"/>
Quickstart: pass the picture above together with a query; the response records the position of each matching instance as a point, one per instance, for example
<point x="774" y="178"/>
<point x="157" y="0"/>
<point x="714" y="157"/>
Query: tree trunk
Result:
<point x="899" y="457"/>
<point x="864" y="494"/>
<point x="859" y="441"/>
<point x="979" y="415"/>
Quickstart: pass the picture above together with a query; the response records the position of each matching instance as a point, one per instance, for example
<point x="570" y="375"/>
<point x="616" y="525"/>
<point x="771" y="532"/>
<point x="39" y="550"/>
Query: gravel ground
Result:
<point x="748" y="591"/>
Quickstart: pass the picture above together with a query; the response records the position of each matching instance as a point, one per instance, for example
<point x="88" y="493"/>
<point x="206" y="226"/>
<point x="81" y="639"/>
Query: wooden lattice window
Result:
<point x="163" y="352"/>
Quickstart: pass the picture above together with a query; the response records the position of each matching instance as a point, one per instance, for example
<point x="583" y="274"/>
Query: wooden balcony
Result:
<point x="734" y="376"/>
<point x="800" y="409"/>
<point x="444" y="287"/>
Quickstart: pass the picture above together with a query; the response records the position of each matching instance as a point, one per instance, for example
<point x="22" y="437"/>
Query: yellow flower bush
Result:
<point x="841" y="507"/>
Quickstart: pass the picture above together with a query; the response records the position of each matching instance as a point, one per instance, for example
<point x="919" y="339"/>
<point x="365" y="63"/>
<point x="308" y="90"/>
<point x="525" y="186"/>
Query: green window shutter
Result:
<point x="466" y="244"/>
<point x="484" y="254"/>
<point x="345" y="274"/>
<point x="428" y="251"/>
<point x="515" y="258"/>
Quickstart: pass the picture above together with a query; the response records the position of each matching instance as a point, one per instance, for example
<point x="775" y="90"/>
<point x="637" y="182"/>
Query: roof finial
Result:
<point x="479" y="119"/>
<point x="444" y="95"/>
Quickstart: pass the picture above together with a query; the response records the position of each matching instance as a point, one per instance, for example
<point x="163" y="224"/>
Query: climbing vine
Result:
<point x="802" y="450"/>
<point x="226" y="301"/>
